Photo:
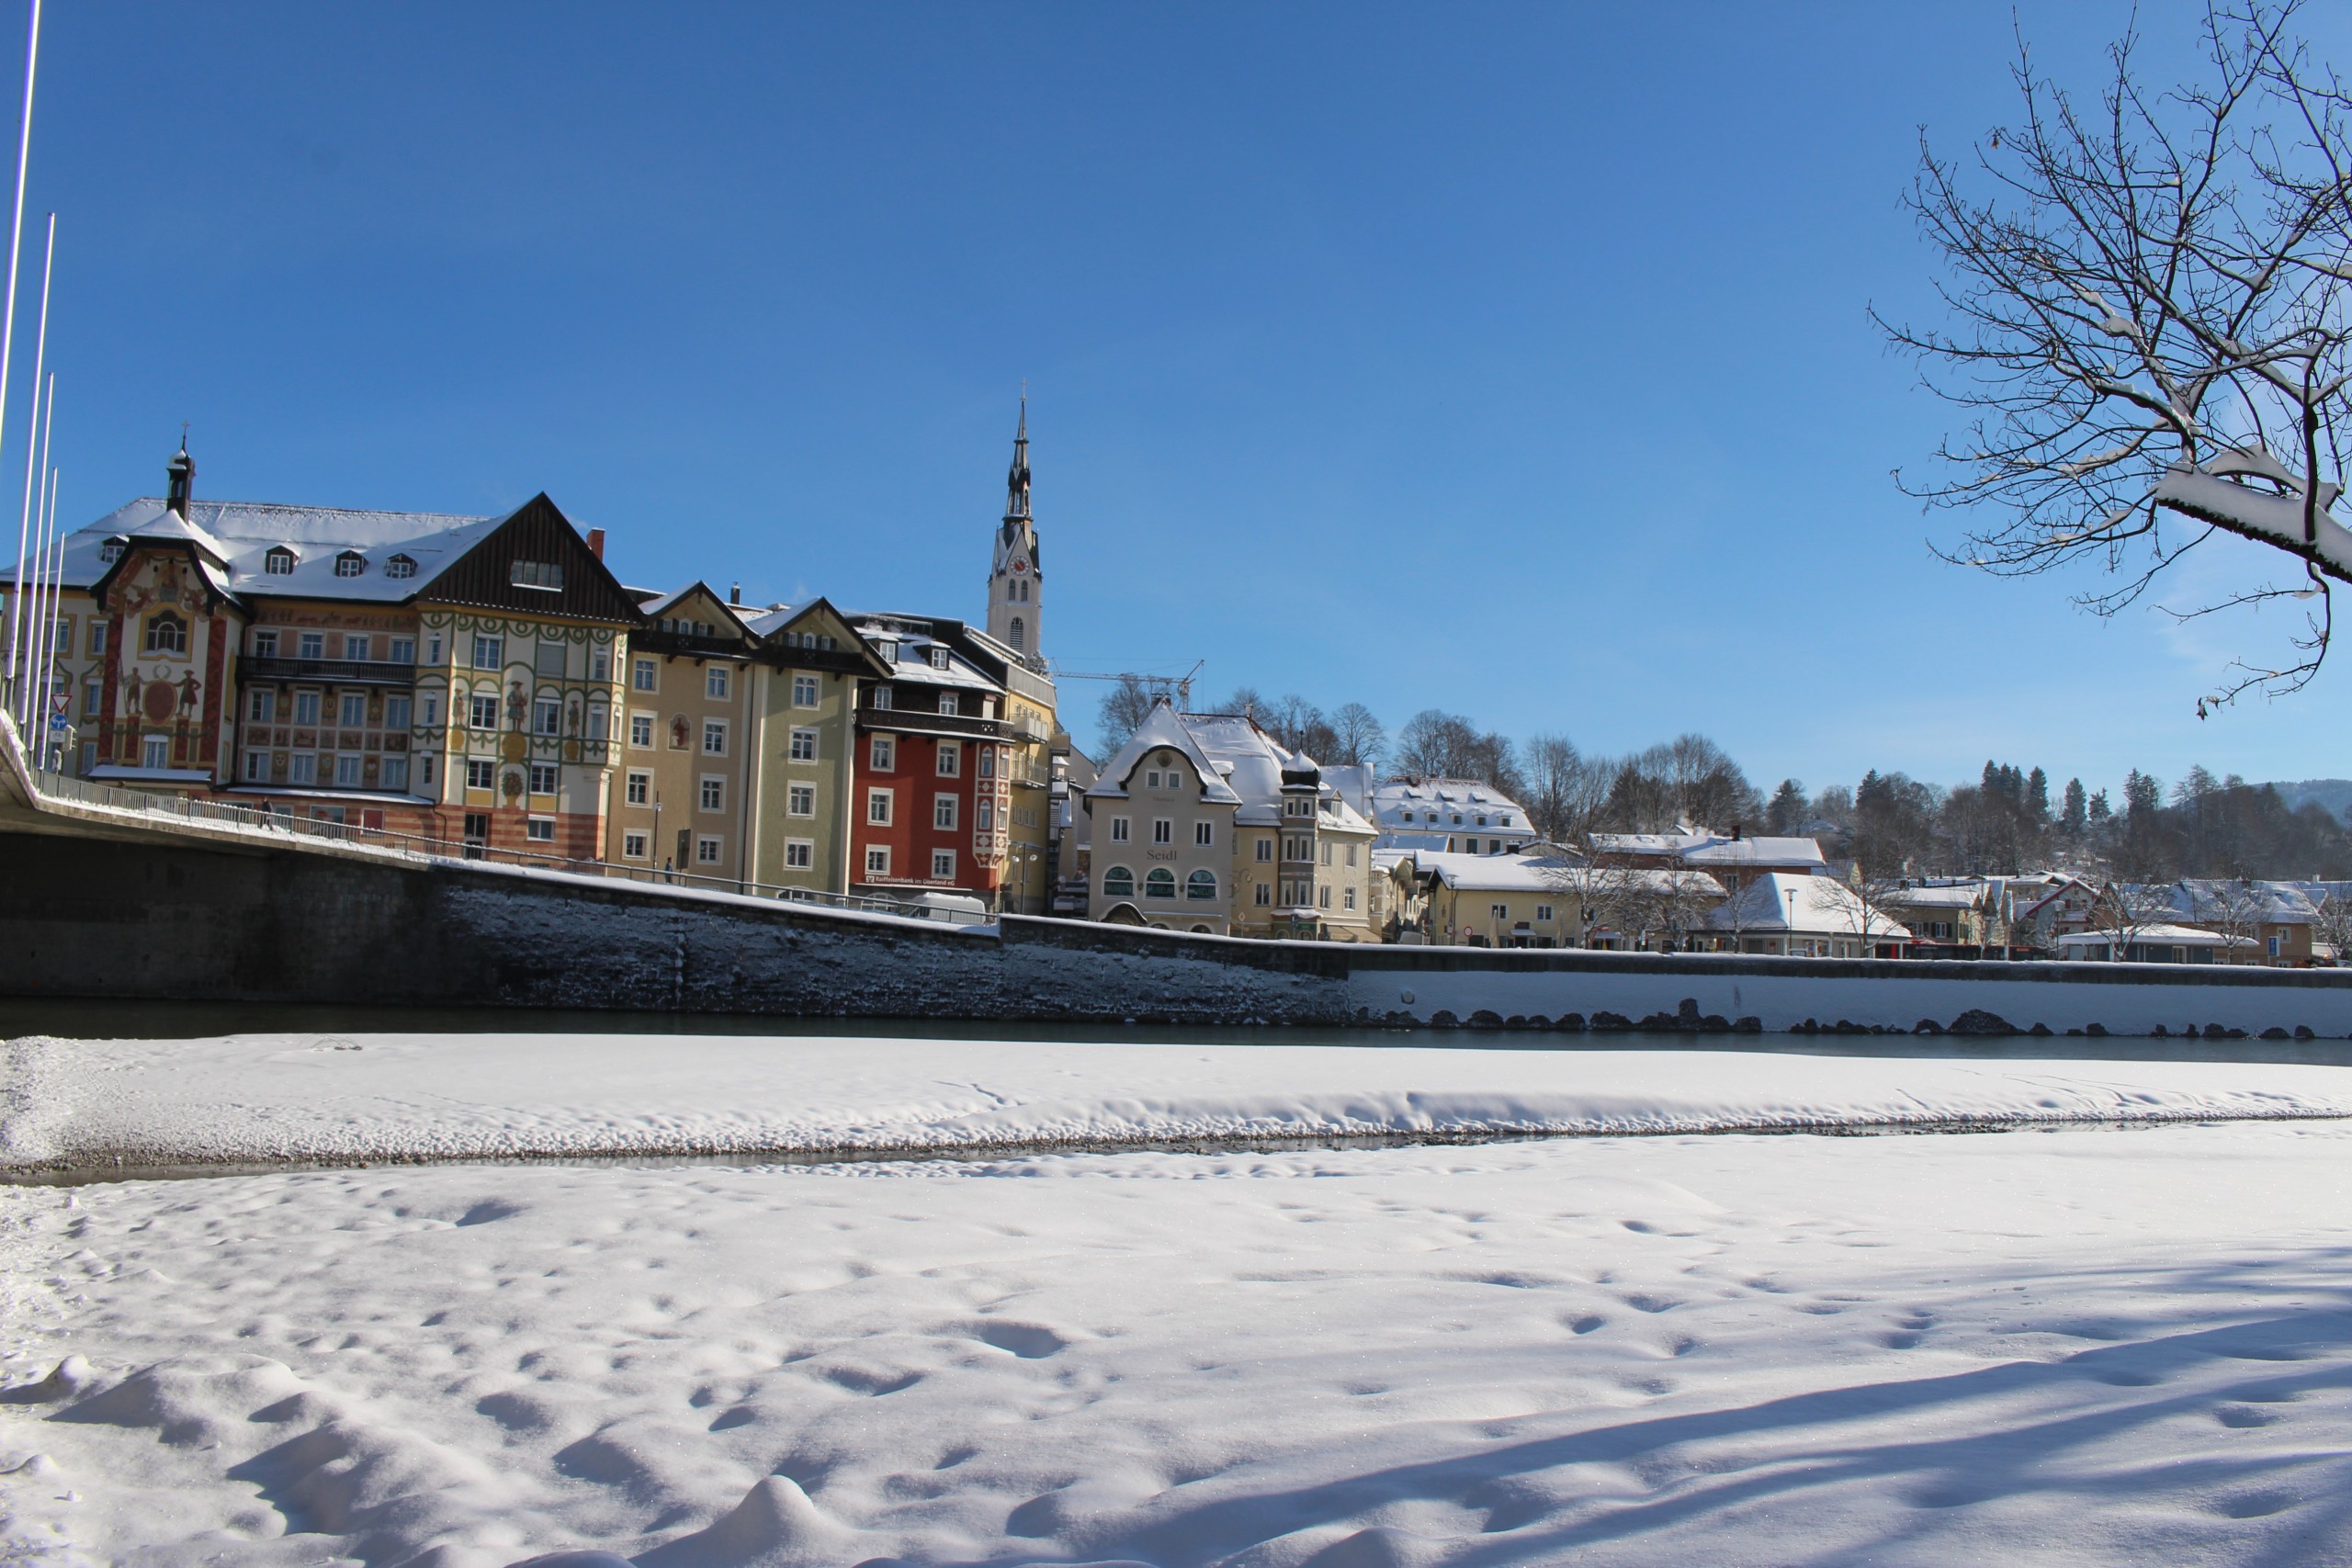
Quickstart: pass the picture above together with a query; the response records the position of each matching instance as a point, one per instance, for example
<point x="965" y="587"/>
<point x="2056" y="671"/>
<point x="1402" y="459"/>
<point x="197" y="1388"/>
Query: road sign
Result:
<point x="57" y="721"/>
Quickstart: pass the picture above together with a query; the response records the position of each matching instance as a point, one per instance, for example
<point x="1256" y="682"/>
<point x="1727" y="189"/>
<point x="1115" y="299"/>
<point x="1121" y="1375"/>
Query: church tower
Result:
<point x="1015" y="597"/>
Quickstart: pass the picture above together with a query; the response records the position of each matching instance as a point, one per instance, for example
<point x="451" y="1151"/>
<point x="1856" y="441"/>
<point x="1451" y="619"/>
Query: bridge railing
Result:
<point x="423" y="847"/>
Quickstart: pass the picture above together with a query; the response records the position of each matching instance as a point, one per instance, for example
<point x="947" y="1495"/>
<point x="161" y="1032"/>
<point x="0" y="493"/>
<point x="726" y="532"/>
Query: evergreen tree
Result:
<point x="2037" y="796"/>
<point x="2077" y="816"/>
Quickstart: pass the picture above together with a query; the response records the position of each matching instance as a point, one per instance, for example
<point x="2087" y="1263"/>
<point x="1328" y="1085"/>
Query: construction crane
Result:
<point x="1178" y="686"/>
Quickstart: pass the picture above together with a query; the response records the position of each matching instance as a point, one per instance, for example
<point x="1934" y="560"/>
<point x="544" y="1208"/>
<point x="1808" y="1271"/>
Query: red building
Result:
<point x="932" y="797"/>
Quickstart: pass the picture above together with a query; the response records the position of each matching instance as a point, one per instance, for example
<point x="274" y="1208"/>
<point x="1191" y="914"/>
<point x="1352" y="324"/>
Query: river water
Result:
<point x="103" y="1020"/>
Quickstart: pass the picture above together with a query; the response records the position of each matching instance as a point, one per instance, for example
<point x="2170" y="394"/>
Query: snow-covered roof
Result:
<point x="1432" y="805"/>
<point x="1703" y="848"/>
<point x="1802" y="905"/>
<point x="240" y="533"/>
<point x="1953" y="895"/>
<point x="2177" y="936"/>
<point x="1163" y="729"/>
<point x="2216" y="900"/>
<point x="1494" y="874"/>
<point x="917" y="649"/>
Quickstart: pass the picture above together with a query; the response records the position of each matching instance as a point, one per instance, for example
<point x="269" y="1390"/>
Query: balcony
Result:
<point x="915" y="721"/>
<point x="255" y="667"/>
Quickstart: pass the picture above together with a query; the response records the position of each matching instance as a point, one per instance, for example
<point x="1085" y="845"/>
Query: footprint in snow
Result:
<point x="1652" y="1304"/>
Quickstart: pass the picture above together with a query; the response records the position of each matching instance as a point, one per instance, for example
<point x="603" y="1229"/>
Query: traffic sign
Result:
<point x="57" y="721"/>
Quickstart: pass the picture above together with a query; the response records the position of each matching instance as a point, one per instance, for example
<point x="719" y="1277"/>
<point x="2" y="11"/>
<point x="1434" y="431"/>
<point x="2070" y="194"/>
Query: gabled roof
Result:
<point x="1163" y="729"/>
<point x="1802" y="905"/>
<point x="240" y="535"/>
<point x="732" y="624"/>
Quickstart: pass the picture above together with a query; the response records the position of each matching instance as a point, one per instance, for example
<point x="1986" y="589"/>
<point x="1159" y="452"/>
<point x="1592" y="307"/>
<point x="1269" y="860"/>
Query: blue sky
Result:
<point x="1511" y="359"/>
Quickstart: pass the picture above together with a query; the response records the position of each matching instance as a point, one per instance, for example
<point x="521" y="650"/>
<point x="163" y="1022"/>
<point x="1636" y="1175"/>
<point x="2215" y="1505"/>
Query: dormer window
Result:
<point x="887" y="651"/>
<point x="111" y="551"/>
<point x="939" y="659"/>
<point x="545" y="576"/>
<point x="278" y="562"/>
<point x="400" y="566"/>
<point x="350" y="563"/>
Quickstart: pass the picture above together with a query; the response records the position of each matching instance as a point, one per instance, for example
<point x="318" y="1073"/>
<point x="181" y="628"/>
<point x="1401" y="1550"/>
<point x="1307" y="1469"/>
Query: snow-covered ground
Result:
<point x="309" y="1097"/>
<point x="2091" y="1345"/>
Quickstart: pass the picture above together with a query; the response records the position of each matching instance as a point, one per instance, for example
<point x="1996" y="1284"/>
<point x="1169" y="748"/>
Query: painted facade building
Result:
<point x="931" y="793"/>
<point x="804" y="696"/>
<point x="687" y="740"/>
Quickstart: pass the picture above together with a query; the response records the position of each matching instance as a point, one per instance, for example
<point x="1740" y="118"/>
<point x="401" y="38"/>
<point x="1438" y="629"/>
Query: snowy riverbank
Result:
<point x="244" y="1098"/>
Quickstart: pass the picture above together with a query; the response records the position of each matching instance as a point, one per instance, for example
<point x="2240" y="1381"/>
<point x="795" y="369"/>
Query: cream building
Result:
<point x="689" y="738"/>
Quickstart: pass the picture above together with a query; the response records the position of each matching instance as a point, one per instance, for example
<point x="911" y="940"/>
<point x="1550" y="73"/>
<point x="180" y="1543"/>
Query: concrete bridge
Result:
<point x="117" y="895"/>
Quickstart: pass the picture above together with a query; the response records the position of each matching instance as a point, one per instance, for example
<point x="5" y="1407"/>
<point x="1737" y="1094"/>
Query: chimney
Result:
<point x="596" y="543"/>
<point x="1735" y="832"/>
<point x="734" y="593"/>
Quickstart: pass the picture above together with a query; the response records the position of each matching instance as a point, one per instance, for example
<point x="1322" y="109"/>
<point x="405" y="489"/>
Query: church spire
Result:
<point x="1016" y="482"/>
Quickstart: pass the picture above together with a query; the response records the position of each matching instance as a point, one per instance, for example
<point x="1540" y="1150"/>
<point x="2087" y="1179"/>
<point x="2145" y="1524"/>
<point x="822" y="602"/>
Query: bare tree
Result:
<point x="2334" y="926"/>
<point x="2148" y="318"/>
<point x="1124" y="707"/>
<point x="2126" y="911"/>
<point x="1359" y="736"/>
<point x="1565" y="789"/>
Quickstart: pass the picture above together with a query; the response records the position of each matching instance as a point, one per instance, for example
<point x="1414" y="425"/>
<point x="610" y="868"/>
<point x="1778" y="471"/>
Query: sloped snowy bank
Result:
<point x="245" y="1098"/>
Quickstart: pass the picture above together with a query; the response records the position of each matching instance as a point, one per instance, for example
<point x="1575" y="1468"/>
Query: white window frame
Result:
<point x="710" y="848"/>
<point x="942" y="865"/>
<point x="804" y="691"/>
<point x="638" y="788"/>
<point x="800" y="800"/>
<point x="711" y="793"/>
<point x="486" y="768"/>
<point x="881" y="798"/>
<point x="644" y="730"/>
<point x="877" y="861"/>
<point x="637" y="844"/>
<point x="950" y="761"/>
<point x="715" y="685"/>
<point x="882" y="753"/>
<point x="645" y="675"/>
<point x="540" y="829"/>
<point x="800" y="854"/>
<point x="1205" y="834"/>
<point x="714" y="730"/>
<point x="553" y="773"/>
<point x="943" y="812"/>
<point x="803" y="746"/>
<point x="1119" y="830"/>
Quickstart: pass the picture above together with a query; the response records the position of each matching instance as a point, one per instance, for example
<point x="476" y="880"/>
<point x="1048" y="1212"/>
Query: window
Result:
<point x="1348" y="899"/>
<point x="1265" y="852"/>
<point x="545" y="576"/>
<point x="540" y="829"/>
<point x="1501" y="913"/>
<point x="1118" y="830"/>
<point x="706" y="849"/>
<point x="643" y="675"/>
<point x="489" y="652"/>
<point x="1265" y="894"/>
<point x="878" y="806"/>
<point x="641" y="731"/>
<point x="714" y="681"/>
<point x="400" y="566"/>
<point x="166" y="632"/>
<point x="803" y="746"/>
<point x="951" y="759"/>
<point x="109" y="553"/>
<point x="942" y="812"/>
<point x="263" y="708"/>
<point x="1203" y="834"/>
<point x="1471" y="845"/>
<point x="1504" y="821"/>
<point x="483" y="711"/>
<point x="346" y="772"/>
<point x="256" y="767"/>
<point x="882" y="755"/>
<point x="877" y="861"/>
<point x="634" y="846"/>
<point x="1201" y="884"/>
<point x="640" y="787"/>
<point x="480" y="774"/>
<point x="714" y="737"/>
<point x="359" y="649"/>
<point x="1542" y="914"/>
<point x="92" y="697"/>
<point x="98" y="636"/>
<point x="1019" y="634"/>
<point x="987" y="816"/>
<point x="988" y="762"/>
<point x="350" y="563"/>
<point x="800" y="800"/>
<point x="599" y="663"/>
<point x="543" y="778"/>
<point x="311" y="645"/>
<point x="881" y="697"/>
<point x="596" y="721"/>
<point x="804" y="691"/>
<point x="547" y="716"/>
<point x="1118" y="882"/>
<point x="1323" y="896"/>
<point x="799" y="854"/>
<point x="1163" y="831"/>
<point x="278" y="562"/>
<point x="395" y="773"/>
<point x="949" y="702"/>
<point x="938" y="657"/>
<point x="714" y="792"/>
<point x="304" y="770"/>
<point x="1160" y="883"/>
<point x="306" y="708"/>
<point x="351" y="710"/>
<point x="548" y="659"/>
<point x="942" y="865"/>
<point x="433" y="648"/>
<point x="396" y="713"/>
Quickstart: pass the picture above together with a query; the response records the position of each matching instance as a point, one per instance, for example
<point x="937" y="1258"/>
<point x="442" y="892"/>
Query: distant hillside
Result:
<point x="2335" y="794"/>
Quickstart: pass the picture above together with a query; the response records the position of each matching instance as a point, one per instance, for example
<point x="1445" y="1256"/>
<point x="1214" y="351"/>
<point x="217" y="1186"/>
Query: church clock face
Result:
<point x="1018" y="567"/>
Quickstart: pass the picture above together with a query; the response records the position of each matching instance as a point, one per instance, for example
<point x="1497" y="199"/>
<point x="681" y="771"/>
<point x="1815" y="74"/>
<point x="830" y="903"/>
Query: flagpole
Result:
<point x="8" y="311"/>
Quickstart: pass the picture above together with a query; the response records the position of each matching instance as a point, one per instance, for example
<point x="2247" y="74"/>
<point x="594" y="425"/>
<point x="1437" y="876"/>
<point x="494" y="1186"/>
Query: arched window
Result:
<point x="1020" y="635"/>
<point x="1118" y="882"/>
<point x="1160" y="884"/>
<point x="166" y="632"/>
<point x="1201" y="884"/>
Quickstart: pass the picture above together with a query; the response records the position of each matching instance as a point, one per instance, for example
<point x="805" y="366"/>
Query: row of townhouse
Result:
<point x="487" y="682"/>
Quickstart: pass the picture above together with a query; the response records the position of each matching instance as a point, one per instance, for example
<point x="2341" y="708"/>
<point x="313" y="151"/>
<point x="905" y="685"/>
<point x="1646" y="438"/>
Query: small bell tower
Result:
<point x="179" y="480"/>
<point x="1017" y="597"/>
